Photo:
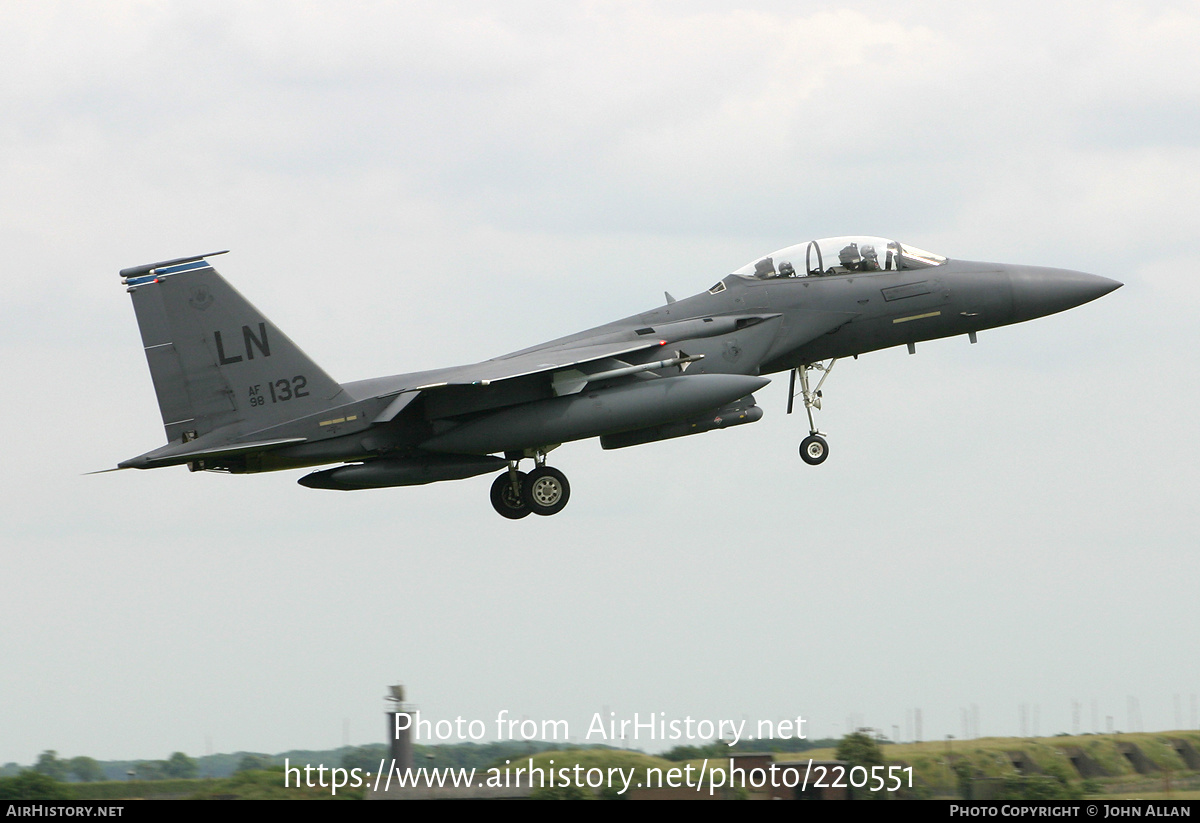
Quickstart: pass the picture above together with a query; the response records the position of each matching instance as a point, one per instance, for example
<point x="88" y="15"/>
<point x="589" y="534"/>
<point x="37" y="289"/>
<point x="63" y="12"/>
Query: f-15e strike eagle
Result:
<point x="236" y="395"/>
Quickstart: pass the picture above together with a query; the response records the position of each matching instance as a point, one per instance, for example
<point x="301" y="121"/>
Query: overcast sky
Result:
<point x="412" y="185"/>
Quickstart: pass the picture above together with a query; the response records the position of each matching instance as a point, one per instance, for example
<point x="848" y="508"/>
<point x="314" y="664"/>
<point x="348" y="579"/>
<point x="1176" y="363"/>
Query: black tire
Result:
<point x="505" y="502"/>
<point x="814" y="450"/>
<point x="545" y="491"/>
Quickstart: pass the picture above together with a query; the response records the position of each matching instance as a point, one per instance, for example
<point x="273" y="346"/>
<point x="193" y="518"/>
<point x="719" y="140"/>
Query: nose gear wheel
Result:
<point x="814" y="450"/>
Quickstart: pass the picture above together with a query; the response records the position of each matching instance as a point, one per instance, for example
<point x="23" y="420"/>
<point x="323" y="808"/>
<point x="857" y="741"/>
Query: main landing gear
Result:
<point x="813" y="449"/>
<point x="544" y="490"/>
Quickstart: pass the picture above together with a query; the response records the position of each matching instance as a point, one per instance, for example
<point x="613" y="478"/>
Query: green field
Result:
<point x="1150" y="766"/>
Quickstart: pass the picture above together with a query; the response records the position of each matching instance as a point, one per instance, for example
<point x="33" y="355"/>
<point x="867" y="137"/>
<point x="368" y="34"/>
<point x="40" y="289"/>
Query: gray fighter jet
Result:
<point x="236" y="395"/>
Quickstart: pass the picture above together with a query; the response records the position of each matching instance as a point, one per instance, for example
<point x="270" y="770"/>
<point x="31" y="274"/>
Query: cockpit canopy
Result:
<point x="840" y="255"/>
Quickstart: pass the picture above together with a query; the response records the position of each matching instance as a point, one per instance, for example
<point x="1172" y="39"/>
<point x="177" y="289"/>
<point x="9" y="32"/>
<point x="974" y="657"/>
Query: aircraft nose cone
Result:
<point x="1038" y="292"/>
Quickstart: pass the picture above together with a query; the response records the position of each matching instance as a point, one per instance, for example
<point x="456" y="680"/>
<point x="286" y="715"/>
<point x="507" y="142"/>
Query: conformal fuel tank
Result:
<point x="410" y="470"/>
<point x="593" y="413"/>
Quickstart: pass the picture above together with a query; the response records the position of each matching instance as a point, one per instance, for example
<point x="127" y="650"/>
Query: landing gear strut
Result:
<point x="544" y="491"/>
<point x="813" y="449"/>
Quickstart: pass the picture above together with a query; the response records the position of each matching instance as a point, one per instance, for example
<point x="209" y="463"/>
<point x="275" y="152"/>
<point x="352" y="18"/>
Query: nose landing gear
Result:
<point x="813" y="449"/>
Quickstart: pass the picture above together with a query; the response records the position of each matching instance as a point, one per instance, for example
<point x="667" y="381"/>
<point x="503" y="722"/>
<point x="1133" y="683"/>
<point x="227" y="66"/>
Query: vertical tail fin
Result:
<point x="216" y="360"/>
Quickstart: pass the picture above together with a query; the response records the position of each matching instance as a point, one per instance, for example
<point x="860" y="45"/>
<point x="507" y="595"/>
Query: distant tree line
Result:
<point x="720" y="749"/>
<point x="89" y="770"/>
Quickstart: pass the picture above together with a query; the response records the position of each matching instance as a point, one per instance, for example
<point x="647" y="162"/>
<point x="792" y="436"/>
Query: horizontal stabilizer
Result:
<point x="176" y="454"/>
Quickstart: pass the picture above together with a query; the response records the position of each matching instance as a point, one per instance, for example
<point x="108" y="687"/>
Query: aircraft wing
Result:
<point x="522" y="365"/>
<point x="406" y="388"/>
